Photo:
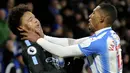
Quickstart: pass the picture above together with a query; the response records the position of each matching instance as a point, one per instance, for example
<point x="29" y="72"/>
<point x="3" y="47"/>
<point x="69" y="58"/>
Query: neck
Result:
<point x="25" y="43"/>
<point x="103" y="26"/>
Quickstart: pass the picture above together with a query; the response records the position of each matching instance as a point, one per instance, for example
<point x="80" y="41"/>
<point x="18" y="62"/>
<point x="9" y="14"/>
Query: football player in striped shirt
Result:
<point x="102" y="49"/>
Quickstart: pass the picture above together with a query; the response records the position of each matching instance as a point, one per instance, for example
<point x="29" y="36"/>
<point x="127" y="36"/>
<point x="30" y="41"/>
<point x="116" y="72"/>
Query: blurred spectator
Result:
<point x="83" y="10"/>
<point x="116" y="24"/>
<point x="126" y="68"/>
<point x="115" y="2"/>
<point x="69" y="20"/>
<point x="59" y="20"/>
<point x="10" y="5"/>
<point x="47" y="29"/>
<point x="2" y="14"/>
<point x="57" y="30"/>
<point x="54" y="7"/>
<point x="68" y="33"/>
<point x="80" y="28"/>
<point x="78" y="17"/>
<point x="63" y="3"/>
<point x="4" y="34"/>
<point x="128" y="5"/>
<point x="30" y="5"/>
<point x="16" y="64"/>
<point x="4" y="30"/>
<point x="91" y="6"/>
<point x="98" y="2"/>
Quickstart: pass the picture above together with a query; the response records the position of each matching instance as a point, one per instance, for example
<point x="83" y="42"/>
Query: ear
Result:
<point x="20" y="28"/>
<point x="107" y="18"/>
<point x="102" y="18"/>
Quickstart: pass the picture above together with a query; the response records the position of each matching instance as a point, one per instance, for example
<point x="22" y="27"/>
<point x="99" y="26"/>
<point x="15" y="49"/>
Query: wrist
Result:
<point x="39" y="40"/>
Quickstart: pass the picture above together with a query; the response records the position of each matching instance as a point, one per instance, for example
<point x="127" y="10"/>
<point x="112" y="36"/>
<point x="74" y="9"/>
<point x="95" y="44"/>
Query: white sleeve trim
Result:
<point x="59" y="50"/>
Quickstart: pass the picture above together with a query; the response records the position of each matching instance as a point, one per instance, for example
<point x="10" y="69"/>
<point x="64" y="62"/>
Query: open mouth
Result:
<point x="89" y="22"/>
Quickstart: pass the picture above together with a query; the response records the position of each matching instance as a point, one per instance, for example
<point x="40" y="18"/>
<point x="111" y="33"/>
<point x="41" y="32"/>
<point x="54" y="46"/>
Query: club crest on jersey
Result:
<point x="31" y="50"/>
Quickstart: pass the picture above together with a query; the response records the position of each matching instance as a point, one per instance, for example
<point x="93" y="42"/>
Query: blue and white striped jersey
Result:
<point x="103" y="51"/>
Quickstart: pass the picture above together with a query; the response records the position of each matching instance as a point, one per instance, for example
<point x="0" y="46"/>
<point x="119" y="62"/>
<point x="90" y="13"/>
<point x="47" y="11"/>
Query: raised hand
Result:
<point x="33" y="36"/>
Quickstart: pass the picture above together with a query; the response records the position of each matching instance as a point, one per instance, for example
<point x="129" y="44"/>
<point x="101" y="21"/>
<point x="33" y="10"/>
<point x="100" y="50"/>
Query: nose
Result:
<point x="36" y="22"/>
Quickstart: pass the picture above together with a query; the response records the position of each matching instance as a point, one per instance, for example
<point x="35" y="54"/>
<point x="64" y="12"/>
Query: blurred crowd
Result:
<point x="61" y="18"/>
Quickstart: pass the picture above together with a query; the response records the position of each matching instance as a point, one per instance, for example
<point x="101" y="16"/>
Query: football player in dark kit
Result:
<point x="37" y="59"/>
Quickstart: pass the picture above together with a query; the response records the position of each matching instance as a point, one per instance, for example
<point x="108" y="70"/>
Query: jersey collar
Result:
<point x="101" y="30"/>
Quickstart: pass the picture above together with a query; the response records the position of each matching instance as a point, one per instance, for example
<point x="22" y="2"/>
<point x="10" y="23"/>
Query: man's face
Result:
<point x="94" y="19"/>
<point x="30" y="22"/>
<point x="10" y="3"/>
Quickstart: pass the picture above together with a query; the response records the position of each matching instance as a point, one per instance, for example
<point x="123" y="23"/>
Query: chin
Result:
<point x="90" y="26"/>
<point x="91" y="29"/>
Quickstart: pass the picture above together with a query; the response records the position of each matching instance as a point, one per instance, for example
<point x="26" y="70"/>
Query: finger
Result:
<point x="22" y="29"/>
<point x="24" y="34"/>
<point x="37" y="31"/>
<point x="24" y="38"/>
<point x="29" y="27"/>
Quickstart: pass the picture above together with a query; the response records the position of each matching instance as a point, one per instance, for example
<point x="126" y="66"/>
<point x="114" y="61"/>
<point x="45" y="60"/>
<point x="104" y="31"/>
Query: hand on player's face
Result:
<point x="30" y="22"/>
<point x="30" y="27"/>
<point x="29" y="35"/>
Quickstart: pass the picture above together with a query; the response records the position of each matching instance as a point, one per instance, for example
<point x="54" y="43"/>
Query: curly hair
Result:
<point x="15" y="16"/>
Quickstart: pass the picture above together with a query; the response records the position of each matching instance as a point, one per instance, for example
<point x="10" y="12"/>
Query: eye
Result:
<point x="31" y="19"/>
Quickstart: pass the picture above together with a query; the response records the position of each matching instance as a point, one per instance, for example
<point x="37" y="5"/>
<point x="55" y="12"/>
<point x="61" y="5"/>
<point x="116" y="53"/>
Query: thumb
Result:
<point x="37" y="31"/>
<point x="29" y="27"/>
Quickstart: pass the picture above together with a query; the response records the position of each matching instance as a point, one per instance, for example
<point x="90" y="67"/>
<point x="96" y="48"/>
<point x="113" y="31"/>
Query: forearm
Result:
<point x="60" y="41"/>
<point x="64" y="41"/>
<point x="59" y="50"/>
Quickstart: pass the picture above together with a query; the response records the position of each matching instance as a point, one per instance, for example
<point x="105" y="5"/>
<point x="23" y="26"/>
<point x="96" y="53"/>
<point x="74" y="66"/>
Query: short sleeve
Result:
<point x="92" y="45"/>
